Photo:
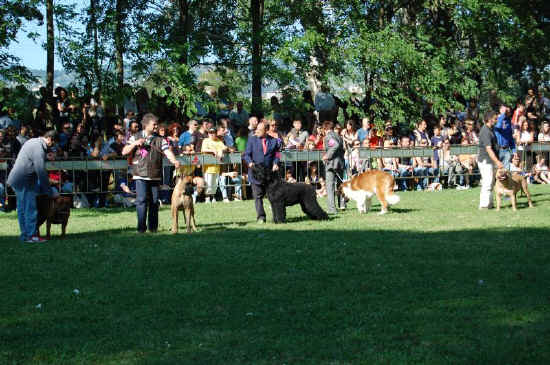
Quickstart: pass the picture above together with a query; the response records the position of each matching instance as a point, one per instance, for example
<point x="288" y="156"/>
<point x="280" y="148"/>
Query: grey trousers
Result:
<point x="333" y="183"/>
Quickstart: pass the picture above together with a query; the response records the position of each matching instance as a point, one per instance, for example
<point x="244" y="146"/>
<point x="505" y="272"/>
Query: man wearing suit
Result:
<point x="334" y="165"/>
<point x="261" y="149"/>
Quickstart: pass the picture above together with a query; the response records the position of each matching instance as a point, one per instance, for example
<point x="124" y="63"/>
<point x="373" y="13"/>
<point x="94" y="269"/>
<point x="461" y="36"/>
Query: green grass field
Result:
<point x="434" y="282"/>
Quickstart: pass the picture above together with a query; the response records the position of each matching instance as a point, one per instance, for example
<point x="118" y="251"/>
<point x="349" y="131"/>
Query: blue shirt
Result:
<point x="435" y="141"/>
<point x="228" y="139"/>
<point x="186" y="138"/>
<point x="504" y="132"/>
<point x="362" y="134"/>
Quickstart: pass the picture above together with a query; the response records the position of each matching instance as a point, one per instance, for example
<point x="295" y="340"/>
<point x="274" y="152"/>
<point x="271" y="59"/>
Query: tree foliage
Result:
<point x="405" y="56"/>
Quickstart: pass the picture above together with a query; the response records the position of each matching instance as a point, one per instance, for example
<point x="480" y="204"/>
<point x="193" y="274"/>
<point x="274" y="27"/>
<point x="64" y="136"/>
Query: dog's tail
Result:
<point x="393" y="199"/>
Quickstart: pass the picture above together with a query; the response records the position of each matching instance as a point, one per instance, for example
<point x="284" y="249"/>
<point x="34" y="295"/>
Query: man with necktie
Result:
<point x="261" y="149"/>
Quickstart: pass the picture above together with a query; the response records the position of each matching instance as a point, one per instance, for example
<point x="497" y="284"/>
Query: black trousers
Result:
<point x="147" y="205"/>
<point x="258" y="192"/>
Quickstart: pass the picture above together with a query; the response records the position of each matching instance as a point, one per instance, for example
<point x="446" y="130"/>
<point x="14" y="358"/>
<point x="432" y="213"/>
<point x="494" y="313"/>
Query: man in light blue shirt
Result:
<point x="363" y="132"/>
<point x="504" y="133"/>
<point x="186" y="138"/>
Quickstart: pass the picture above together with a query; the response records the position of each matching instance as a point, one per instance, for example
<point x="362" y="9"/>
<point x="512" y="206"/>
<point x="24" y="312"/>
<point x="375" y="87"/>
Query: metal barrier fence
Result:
<point x="98" y="176"/>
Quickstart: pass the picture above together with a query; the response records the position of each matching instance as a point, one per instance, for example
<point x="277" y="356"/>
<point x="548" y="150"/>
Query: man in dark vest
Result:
<point x="148" y="150"/>
<point x="334" y="166"/>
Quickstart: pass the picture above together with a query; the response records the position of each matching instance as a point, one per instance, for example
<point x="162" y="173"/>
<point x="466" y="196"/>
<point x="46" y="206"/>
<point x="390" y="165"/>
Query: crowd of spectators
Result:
<point x="90" y="129"/>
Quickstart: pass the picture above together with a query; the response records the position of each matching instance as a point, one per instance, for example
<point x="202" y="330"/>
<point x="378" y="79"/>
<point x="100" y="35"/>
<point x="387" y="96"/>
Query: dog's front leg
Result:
<point x="187" y="216"/>
<point x="193" y="223"/>
<point x="277" y="209"/>
<point x="499" y="200"/>
<point x="513" y="198"/>
<point x="63" y="229"/>
<point x="48" y="228"/>
<point x="174" y="218"/>
<point x="526" y="191"/>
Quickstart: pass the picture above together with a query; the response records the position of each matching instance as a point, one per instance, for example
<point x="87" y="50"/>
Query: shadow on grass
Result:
<point x="281" y="296"/>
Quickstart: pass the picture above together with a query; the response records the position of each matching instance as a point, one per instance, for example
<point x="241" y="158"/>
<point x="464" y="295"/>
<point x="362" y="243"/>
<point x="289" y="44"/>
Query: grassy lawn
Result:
<point x="434" y="282"/>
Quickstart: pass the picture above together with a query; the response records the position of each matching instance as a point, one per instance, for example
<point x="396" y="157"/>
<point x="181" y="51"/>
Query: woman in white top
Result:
<point x="540" y="171"/>
<point x="390" y="164"/>
<point x="525" y="135"/>
<point x="515" y="165"/>
<point x="544" y="135"/>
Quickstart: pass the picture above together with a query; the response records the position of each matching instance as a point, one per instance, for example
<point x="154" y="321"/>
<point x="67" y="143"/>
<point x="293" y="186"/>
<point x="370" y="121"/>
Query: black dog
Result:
<point x="282" y="194"/>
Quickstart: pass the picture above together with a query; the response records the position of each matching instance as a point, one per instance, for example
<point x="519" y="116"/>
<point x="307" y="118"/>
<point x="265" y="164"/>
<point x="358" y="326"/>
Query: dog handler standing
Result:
<point x="488" y="160"/>
<point x="29" y="178"/>
<point x="334" y="166"/>
<point x="148" y="149"/>
<point x="261" y="149"/>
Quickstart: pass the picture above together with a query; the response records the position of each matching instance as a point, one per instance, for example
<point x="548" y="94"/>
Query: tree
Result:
<point x="12" y="15"/>
<point x="257" y="14"/>
<point x="50" y="47"/>
<point x="120" y="16"/>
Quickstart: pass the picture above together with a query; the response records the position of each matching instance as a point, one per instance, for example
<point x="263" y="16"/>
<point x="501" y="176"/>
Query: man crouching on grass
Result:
<point x="148" y="149"/>
<point x="29" y="178"/>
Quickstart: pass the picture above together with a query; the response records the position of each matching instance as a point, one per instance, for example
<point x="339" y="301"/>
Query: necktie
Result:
<point x="264" y="144"/>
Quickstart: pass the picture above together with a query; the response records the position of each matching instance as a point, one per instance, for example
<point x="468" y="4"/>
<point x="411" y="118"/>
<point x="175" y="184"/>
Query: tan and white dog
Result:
<point x="363" y="187"/>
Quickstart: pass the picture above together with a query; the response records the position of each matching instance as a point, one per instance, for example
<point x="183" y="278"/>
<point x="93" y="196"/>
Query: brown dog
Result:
<point x="364" y="186"/>
<point x="53" y="211"/>
<point x="509" y="184"/>
<point x="182" y="199"/>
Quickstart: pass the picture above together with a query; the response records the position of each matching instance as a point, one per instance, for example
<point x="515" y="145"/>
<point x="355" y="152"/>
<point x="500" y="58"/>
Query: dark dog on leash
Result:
<point x="53" y="211"/>
<point x="282" y="194"/>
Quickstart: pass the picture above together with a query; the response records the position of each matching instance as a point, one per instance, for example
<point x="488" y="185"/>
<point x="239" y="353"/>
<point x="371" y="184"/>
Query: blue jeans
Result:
<point x="505" y="156"/>
<point x="236" y="181"/>
<point x="147" y="204"/>
<point x="2" y="194"/>
<point x="435" y="173"/>
<point x="27" y="211"/>
<point x="422" y="182"/>
<point x="404" y="175"/>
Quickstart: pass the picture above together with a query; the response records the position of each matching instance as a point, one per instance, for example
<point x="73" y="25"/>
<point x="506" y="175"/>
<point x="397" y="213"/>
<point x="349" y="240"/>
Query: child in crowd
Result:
<point x="313" y="176"/>
<point x="289" y="178"/>
<point x="540" y="171"/>
<point x="322" y="191"/>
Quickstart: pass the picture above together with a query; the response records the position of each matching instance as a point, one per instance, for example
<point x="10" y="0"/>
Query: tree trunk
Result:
<point x="93" y="22"/>
<point x="50" y="48"/>
<point x="119" y="43"/>
<point x="257" y="14"/>
<point x="184" y="24"/>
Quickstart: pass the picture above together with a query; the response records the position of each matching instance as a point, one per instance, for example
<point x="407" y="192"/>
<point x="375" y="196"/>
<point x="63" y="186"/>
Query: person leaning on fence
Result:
<point x="334" y="166"/>
<point x="29" y="178"/>
<point x="504" y="135"/>
<point x="148" y="150"/>
<point x="261" y="149"/>
<point x="488" y="160"/>
<point x="215" y="146"/>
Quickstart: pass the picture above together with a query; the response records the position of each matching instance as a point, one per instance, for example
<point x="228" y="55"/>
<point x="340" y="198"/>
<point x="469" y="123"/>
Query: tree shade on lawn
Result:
<point x="435" y="281"/>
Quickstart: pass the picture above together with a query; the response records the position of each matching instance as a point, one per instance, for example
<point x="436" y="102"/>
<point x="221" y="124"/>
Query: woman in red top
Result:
<point x="315" y="140"/>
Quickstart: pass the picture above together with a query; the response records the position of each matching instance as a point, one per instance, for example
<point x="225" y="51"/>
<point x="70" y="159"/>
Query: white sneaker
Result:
<point x="36" y="239"/>
<point x="467" y="187"/>
<point x="226" y="200"/>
